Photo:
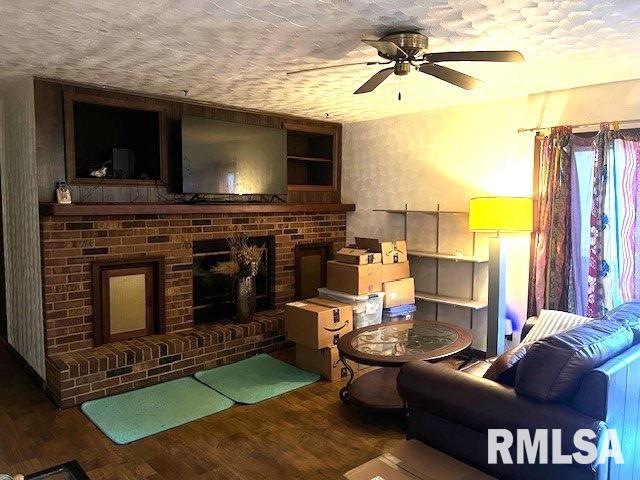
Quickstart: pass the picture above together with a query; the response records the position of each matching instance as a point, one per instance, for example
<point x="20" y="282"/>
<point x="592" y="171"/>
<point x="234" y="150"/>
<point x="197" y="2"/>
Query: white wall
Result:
<point x="25" y="329"/>
<point x="450" y="155"/>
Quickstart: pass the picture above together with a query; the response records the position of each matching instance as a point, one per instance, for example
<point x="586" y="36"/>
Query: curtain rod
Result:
<point x="582" y="125"/>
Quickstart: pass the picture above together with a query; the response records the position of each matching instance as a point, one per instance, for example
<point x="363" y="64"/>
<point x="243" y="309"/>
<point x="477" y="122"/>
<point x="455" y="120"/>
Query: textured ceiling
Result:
<point x="236" y="52"/>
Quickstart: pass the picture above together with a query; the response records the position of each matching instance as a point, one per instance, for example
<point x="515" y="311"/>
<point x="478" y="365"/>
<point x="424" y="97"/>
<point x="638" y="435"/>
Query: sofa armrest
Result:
<point x="482" y="404"/>
<point x="528" y="325"/>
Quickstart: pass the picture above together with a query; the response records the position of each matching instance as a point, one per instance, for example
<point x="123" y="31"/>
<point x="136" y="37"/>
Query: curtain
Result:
<point x="586" y="251"/>
<point x="550" y="270"/>
<point x="581" y="205"/>
<point x="624" y="178"/>
<point x="598" y="269"/>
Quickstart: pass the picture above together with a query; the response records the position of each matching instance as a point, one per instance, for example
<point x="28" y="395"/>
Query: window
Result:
<point x="621" y="236"/>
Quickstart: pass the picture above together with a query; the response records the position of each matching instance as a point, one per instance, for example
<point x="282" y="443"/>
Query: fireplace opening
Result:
<point x="213" y="293"/>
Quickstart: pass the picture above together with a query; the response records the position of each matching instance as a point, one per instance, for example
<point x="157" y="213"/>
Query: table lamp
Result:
<point x="498" y="214"/>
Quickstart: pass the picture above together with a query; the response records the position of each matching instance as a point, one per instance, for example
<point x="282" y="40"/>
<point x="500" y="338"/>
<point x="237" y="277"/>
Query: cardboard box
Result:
<point x="369" y="244"/>
<point x="383" y="467"/>
<point x="400" y="292"/>
<point x="325" y="362"/>
<point x="357" y="256"/>
<point x="317" y="322"/>
<point x="395" y="271"/>
<point x="392" y="252"/>
<point x="413" y="460"/>
<point x="354" y="279"/>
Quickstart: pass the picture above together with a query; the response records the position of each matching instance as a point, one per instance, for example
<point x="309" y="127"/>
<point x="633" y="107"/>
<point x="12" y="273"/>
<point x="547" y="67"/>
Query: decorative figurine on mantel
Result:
<point x="63" y="194"/>
<point x="243" y="265"/>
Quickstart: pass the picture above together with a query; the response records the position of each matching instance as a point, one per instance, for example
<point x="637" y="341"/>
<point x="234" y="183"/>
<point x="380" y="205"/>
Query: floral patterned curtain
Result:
<point x="607" y="262"/>
<point x="550" y="270"/>
<point x="597" y="266"/>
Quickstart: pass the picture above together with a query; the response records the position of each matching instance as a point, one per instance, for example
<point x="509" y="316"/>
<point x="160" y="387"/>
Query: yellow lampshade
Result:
<point x="501" y="214"/>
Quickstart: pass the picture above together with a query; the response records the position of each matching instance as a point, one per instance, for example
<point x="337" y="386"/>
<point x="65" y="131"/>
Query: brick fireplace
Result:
<point x="74" y="238"/>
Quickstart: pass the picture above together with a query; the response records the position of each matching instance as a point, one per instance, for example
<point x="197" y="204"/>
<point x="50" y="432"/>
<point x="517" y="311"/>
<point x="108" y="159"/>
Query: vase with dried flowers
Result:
<point x="243" y="265"/>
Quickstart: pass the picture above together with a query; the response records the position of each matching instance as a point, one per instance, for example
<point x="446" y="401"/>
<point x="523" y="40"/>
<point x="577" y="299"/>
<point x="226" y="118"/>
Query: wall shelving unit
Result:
<point x="472" y="304"/>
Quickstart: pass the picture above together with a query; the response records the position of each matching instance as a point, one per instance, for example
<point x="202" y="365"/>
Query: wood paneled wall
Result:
<point x="50" y="155"/>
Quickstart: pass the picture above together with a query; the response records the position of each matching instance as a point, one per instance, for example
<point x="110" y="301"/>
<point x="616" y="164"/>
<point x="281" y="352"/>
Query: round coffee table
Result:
<point x="390" y="346"/>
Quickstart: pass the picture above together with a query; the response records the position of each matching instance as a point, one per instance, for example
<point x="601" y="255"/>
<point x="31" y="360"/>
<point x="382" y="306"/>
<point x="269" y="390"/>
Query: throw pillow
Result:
<point x="551" y="322"/>
<point x="554" y="367"/>
<point x="503" y="369"/>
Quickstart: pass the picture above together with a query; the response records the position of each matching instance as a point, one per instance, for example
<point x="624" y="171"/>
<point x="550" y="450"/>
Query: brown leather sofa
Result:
<point x="452" y="410"/>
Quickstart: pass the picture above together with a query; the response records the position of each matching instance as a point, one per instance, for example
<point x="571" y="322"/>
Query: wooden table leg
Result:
<point x="344" y="391"/>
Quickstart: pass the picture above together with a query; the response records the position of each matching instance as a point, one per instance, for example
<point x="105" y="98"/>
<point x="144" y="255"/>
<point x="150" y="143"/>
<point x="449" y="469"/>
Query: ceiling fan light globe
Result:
<point x="402" y="68"/>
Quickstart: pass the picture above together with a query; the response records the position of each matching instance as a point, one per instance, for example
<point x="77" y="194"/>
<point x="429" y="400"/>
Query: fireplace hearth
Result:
<point x="78" y="368"/>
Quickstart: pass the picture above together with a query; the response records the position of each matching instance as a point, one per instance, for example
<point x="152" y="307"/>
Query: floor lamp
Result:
<point x="497" y="215"/>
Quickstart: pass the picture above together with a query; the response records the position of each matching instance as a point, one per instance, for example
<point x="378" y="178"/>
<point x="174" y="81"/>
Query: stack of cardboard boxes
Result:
<point x="355" y="271"/>
<point x="397" y="284"/>
<point x="362" y="282"/>
<point x="316" y="325"/>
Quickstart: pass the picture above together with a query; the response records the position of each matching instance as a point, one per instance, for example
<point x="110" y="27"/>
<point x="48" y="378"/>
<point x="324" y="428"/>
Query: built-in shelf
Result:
<point x="79" y="209"/>
<point x="312" y="153"/>
<point x="309" y="159"/>
<point x="426" y="212"/>
<point x="447" y="256"/>
<point x="454" y="301"/>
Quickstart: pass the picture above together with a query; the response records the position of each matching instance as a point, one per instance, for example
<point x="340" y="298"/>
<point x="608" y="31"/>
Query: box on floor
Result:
<point x="317" y="322"/>
<point x="399" y="292"/>
<point x="324" y="361"/>
<point x="413" y="460"/>
<point x="354" y="279"/>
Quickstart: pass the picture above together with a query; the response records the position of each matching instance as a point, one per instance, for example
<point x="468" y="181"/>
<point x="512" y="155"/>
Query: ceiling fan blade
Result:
<point x="390" y="49"/>
<point x="374" y="81"/>
<point x="305" y="70"/>
<point x="478" y="56"/>
<point x="452" y="76"/>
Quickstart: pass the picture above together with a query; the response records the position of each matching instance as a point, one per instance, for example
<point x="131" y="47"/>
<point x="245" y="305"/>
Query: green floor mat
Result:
<point x="134" y="415"/>
<point x="256" y="379"/>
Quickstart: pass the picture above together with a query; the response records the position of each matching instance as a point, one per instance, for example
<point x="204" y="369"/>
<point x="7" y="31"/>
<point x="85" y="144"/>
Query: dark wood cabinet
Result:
<point x="313" y="162"/>
<point x="99" y="131"/>
<point x="315" y="146"/>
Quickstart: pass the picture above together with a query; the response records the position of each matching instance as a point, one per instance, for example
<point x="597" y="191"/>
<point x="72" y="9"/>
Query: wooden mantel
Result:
<point x="79" y="209"/>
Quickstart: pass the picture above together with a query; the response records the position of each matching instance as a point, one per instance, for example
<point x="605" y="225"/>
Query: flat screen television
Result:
<point x="231" y="158"/>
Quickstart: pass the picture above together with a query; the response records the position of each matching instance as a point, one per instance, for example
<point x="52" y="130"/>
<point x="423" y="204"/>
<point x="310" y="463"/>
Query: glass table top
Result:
<point x="405" y="339"/>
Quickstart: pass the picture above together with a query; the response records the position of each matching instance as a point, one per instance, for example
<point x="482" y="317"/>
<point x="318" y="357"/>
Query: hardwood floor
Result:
<point x="307" y="434"/>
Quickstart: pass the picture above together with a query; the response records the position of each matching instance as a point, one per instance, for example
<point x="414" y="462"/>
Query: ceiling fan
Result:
<point x="409" y="49"/>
